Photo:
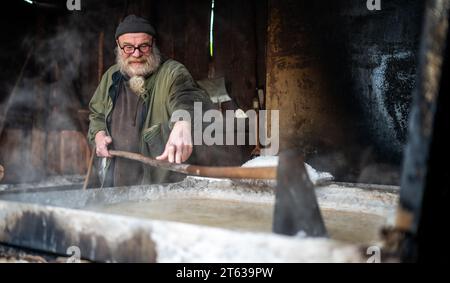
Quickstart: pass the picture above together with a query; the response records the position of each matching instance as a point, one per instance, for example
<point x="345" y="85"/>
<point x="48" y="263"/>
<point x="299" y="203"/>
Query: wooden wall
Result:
<point x="239" y="34"/>
<point x="297" y="82"/>
<point x="342" y="77"/>
<point x="50" y="138"/>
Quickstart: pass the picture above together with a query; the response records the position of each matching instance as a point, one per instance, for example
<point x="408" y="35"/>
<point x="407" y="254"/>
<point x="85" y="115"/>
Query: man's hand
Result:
<point x="179" y="146"/>
<point x="101" y="144"/>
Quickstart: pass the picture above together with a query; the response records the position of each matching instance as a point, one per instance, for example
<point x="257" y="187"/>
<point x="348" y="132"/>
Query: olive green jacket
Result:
<point x="169" y="88"/>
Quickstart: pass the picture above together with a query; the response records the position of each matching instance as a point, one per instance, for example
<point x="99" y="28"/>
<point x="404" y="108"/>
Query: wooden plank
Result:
<point x="16" y="156"/>
<point x="196" y="38"/>
<point x="178" y="29"/>
<point x="74" y="153"/>
<point x="164" y="27"/>
<point x="68" y="153"/>
<point x="236" y="49"/>
<point x="297" y="81"/>
<point x="53" y="153"/>
<point x="10" y="155"/>
<point x="261" y="40"/>
<point x="38" y="152"/>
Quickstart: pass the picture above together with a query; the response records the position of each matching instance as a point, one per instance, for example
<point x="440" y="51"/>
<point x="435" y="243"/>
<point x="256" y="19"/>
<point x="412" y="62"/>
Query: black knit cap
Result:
<point x="134" y="24"/>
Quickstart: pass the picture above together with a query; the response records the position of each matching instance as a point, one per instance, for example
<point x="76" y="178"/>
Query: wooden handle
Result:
<point x="233" y="172"/>
<point x="2" y="172"/>
<point x="203" y="171"/>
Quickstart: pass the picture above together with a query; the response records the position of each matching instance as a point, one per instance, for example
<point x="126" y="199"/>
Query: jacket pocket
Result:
<point x="149" y="134"/>
<point x="154" y="139"/>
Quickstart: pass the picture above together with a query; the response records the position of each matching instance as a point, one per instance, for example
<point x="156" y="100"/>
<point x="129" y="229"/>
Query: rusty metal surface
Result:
<point x="50" y="219"/>
<point x="297" y="82"/>
<point x="342" y="80"/>
<point x="423" y="112"/>
<point x="11" y="189"/>
<point x="424" y="194"/>
<point x="55" y="229"/>
<point x="53" y="220"/>
<point x="77" y="198"/>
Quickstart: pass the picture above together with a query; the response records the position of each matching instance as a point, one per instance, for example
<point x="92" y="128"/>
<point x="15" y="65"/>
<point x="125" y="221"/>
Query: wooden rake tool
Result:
<point x="203" y="171"/>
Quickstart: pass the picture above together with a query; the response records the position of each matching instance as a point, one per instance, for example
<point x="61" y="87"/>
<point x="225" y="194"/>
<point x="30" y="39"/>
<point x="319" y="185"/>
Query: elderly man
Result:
<point x="132" y="107"/>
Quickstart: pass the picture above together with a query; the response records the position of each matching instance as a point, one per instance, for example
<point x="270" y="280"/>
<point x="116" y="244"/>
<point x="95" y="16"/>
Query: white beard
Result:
<point x="137" y="84"/>
<point x="137" y="74"/>
<point x="149" y="63"/>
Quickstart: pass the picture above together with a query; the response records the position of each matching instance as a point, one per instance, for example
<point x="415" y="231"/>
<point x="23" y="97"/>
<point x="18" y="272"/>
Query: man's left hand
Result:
<point x="179" y="146"/>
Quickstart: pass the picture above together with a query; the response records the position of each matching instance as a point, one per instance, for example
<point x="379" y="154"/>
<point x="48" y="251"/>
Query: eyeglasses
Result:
<point x="129" y="49"/>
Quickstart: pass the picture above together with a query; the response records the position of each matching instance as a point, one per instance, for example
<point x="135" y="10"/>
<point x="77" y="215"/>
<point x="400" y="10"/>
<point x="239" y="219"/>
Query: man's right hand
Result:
<point x="101" y="144"/>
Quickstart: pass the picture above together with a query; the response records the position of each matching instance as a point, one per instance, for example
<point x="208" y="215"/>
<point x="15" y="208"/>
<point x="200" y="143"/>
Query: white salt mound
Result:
<point x="269" y="161"/>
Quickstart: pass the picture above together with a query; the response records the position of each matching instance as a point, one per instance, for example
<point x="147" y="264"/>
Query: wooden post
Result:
<point x="101" y="43"/>
<point x="101" y="40"/>
<point x="2" y="172"/>
<point x="296" y="206"/>
<point x="424" y="193"/>
<point x="4" y="111"/>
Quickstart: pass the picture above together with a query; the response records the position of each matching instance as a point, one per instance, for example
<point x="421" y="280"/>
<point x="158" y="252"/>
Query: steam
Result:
<point x="45" y="99"/>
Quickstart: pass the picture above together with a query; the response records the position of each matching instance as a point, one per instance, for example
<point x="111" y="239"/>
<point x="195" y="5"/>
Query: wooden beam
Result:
<point x="2" y="172"/>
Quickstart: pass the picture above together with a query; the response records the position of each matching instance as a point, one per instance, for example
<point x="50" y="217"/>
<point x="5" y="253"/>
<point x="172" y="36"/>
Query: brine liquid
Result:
<point x="351" y="227"/>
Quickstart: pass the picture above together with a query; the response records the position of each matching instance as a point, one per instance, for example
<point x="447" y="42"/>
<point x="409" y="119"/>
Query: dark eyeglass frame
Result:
<point x="149" y="45"/>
